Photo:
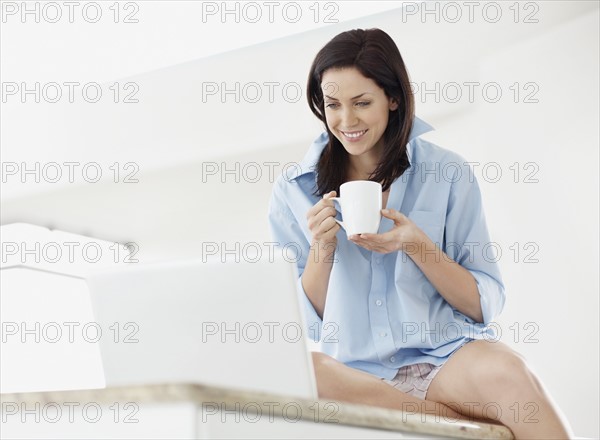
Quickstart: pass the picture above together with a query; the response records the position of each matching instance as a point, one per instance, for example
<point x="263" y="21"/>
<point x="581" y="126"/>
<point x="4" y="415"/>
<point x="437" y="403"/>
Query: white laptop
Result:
<point x="236" y="325"/>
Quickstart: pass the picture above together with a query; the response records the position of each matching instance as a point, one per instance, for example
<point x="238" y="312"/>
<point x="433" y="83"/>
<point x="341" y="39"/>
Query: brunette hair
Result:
<point x="376" y="56"/>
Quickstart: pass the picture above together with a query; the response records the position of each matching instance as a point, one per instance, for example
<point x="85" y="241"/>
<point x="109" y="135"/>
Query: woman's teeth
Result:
<point x="355" y="134"/>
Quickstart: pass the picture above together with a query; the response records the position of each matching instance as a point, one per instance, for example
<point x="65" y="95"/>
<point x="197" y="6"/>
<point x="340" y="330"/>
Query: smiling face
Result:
<point x="357" y="112"/>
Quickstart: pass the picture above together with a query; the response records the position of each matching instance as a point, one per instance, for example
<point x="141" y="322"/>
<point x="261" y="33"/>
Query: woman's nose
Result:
<point x="348" y="118"/>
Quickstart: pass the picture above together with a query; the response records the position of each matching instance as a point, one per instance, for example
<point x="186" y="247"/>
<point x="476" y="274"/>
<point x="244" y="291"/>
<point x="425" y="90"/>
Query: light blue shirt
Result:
<point x="381" y="312"/>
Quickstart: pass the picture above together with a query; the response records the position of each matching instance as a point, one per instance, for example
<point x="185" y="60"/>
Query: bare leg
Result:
<point x="489" y="380"/>
<point x="339" y="382"/>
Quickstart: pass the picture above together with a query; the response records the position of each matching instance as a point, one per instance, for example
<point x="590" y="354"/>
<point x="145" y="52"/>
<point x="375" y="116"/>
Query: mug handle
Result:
<point x="338" y="199"/>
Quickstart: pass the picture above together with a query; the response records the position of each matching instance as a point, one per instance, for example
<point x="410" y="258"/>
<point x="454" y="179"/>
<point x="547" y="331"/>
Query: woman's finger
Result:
<point x="332" y="231"/>
<point x="326" y="225"/>
<point x="325" y="213"/>
<point x="397" y="216"/>
<point x="317" y="207"/>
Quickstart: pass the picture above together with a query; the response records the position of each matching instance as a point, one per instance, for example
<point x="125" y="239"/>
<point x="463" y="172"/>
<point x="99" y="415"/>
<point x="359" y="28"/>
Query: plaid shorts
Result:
<point x="414" y="379"/>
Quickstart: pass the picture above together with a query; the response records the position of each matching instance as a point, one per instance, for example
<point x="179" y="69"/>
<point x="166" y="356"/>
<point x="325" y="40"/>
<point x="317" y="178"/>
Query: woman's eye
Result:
<point x="360" y="104"/>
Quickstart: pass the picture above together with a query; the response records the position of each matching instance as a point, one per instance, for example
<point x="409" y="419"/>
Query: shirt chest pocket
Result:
<point x="432" y="224"/>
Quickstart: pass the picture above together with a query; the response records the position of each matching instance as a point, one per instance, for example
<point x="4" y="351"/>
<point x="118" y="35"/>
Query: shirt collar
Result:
<point x="309" y="162"/>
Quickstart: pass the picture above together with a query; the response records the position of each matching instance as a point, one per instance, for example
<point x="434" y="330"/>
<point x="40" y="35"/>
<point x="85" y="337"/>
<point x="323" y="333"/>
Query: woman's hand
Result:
<point x="402" y="236"/>
<point x="322" y="224"/>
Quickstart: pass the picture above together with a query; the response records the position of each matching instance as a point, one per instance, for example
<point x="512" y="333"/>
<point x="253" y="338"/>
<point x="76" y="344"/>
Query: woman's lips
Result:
<point x="354" y="136"/>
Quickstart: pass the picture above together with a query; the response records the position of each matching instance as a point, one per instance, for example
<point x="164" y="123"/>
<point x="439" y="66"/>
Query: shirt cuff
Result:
<point x="491" y="296"/>
<point x="314" y="324"/>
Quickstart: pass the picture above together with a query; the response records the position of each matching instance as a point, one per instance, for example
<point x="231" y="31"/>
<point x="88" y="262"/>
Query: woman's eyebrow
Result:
<point x="357" y="96"/>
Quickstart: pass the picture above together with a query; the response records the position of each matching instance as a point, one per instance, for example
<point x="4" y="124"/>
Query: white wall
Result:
<point x="172" y="135"/>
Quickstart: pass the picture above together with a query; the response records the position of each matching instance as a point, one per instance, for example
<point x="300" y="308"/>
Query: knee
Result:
<point x="508" y="371"/>
<point x="325" y="372"/>
<point x="322" y="362"/>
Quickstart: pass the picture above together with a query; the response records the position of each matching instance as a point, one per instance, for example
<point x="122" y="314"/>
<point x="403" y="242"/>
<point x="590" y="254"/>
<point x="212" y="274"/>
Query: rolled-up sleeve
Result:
<point x="291" y="241"/>
<point x="467" y="241"/>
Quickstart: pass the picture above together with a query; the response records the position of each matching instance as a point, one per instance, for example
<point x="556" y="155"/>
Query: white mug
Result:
<point x="360" y="205"/>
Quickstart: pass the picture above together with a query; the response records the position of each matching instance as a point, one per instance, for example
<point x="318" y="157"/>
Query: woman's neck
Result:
<point x="359" y="171"/>
<point x="362" y="167"/>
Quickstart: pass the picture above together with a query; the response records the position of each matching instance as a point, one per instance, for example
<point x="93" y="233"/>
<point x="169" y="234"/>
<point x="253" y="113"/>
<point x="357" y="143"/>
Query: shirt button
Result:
<point x="392" y="359"/>
<point x="383" y="334"/>
<point x="378" y="302"/>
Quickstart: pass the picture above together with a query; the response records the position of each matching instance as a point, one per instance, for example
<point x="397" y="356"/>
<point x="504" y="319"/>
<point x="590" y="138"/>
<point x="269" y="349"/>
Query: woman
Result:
<point x="402" y="315"/>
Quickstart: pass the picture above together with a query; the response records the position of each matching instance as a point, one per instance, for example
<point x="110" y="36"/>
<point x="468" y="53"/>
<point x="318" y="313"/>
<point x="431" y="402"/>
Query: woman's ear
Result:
<point x="393" y="104"/>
